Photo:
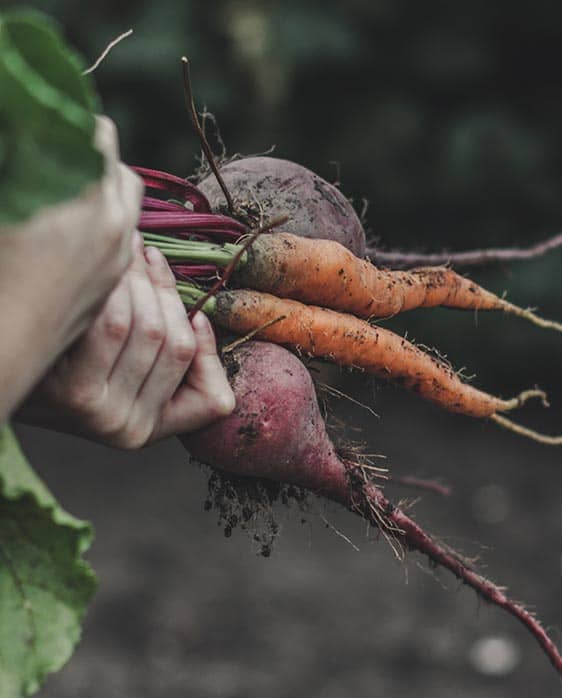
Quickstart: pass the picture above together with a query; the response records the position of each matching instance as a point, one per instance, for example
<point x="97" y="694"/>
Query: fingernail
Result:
<point x="153" y="256"/>
<point x="201" y="323"/>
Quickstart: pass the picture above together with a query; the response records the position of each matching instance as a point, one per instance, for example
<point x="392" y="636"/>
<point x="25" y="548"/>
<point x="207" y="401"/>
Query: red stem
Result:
<point x="175" y="185"/>
<point x="420" y="483"/>
<point x="149" y="203"/>
<point x="399" y="259"/>
<point x="187" y="221"/>
<point x="190" y="271"/>
<point x="415" y="538"/>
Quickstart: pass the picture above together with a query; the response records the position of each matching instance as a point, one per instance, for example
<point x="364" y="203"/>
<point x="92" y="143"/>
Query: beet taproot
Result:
<point x="276" y="432"/>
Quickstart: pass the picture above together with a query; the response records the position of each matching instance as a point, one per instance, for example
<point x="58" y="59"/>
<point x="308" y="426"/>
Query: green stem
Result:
<point x="193" y="251"/>
<point x="190" y="294"/>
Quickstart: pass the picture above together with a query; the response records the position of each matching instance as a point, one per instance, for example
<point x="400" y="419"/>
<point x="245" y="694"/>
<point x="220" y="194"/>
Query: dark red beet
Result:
<point x="316" y="208"/>
<point x="277" y="432"/>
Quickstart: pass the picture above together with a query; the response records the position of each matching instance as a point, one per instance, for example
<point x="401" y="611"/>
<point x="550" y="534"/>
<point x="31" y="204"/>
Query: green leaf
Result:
<point x="45" y="585"/>
<point x="46" y="118"/>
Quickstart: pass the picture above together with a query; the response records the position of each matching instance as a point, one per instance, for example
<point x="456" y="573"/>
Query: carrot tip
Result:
<point x="529" y="315"/>
<point x="525" y="431"/>
<point x="525" y="396"/>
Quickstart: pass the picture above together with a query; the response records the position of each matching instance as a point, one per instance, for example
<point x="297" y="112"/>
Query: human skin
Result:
<point x="57" y="269"/>
<point x="141" y="372"/>
<point x="92" y="325"/>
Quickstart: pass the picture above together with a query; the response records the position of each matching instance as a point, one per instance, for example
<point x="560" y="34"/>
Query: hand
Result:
<point x="57" y="269"/>
<point x="142" y="371"/>
<point x="75" y="252"/>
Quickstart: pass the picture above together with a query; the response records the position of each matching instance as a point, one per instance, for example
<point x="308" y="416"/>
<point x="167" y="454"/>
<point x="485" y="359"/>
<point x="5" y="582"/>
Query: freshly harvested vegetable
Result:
<point x="325" y="273"/>
<point x="265" y="187"/>
<point x="277" y="432"/>
<point x="350" y="341"/>
<point x="318" y="331"/>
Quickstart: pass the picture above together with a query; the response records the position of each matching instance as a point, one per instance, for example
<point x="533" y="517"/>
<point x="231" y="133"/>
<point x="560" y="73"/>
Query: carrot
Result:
<point x="325" y="273"/>
<point x="350" y="341"/>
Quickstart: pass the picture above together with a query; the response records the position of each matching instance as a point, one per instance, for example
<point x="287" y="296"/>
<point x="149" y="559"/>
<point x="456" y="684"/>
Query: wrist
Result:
<point x="23" y="353"/>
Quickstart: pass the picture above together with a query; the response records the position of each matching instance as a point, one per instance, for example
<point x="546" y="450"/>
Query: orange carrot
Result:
<point x="325" y="273"/>
<point x="350" y="341"/>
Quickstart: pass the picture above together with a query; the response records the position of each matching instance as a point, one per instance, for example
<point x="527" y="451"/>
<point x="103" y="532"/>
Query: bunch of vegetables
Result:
<point x="301" y="282"/>
<point x="312" y="294"/>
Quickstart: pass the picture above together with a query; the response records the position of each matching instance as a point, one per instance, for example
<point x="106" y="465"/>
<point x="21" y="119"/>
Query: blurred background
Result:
<point x="446" y="117"/>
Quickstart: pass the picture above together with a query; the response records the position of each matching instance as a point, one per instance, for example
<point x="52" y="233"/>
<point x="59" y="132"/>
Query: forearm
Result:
<point x="25" y="353"/>
<point x="35" y="314"/>
<point x="57" y="268"/>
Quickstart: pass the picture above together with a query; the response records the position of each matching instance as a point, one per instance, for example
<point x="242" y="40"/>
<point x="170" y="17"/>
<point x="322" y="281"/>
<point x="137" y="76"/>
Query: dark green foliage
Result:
<point x="45" y="585"/>
<point x="46" y="119"/>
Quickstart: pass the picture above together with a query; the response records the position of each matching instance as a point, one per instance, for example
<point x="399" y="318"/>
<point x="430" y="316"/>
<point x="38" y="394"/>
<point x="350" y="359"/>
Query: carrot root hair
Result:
<point x="516" y="428"/>
<point x="529" y="314"/>
<point x="523" y="397"/>
<point x="525" y="431"/>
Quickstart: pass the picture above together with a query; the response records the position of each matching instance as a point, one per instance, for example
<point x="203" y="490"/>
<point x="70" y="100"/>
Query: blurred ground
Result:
<point x="182" y="611"/>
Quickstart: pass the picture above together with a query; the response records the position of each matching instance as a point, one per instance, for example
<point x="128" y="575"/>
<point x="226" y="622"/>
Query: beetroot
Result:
<point x="316" y="208"/>
<point x="277" y="432"/>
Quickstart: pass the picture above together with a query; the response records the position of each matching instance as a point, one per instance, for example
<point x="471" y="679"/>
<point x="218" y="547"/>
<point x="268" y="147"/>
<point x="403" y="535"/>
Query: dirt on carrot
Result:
<point x="325" y="273"/>
<point x="350" y="341"/>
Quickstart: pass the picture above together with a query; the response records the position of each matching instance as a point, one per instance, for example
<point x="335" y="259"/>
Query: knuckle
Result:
<point x="116" y="328"/>
<point x="182" y="349"/>
<point x="152" y="330"/>
<point x="222" y="404"/>
<point x="83" y="399"/>
<point x="132" y="438"/>
<point x="148" y="322"/>
<point x="109" y="424"/>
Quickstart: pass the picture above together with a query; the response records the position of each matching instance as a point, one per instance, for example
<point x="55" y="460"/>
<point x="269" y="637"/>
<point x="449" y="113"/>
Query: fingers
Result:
<point x="79" y="381"/>
<point x="207" y="372"/>
<point x="206" y="395"/>
<point x="93" y="357"/>
<point x="147" y="332"/>
<point x="142" y="371"/>
<point x="175" y="355"/>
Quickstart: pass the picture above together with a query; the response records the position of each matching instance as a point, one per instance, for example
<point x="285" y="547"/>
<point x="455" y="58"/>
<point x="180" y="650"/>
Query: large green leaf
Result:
<point x="46" y="118"/>
<point x="45" y="585"/>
